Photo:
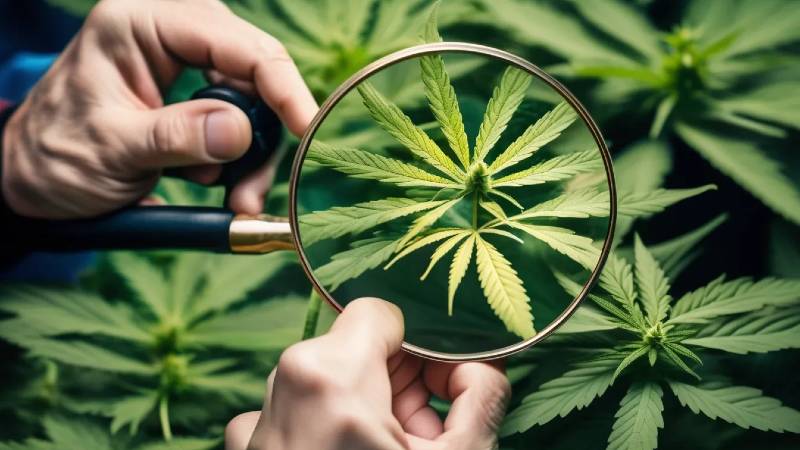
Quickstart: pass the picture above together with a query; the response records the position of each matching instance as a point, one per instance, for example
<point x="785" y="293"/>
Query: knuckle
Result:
<point x="349" y="423"/>
<point x="168" y="133"/>
<point x="105" y="10"/>
<point x="302" y="366"/>
<point x="273" y="49"/>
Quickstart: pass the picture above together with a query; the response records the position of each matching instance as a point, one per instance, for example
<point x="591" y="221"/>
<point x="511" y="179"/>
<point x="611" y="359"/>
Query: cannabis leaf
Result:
<point x="638" y="418"/>
<point x="738" y="316"/>
<point x="718" y="80"/>
<point x="450" y="181"/>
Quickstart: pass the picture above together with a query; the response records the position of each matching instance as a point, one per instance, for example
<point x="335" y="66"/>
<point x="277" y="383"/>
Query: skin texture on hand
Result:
<point x="93" y="135"/>
<point x="354" y="389"/>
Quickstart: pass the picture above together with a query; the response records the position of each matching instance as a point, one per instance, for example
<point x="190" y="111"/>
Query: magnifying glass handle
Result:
<point x="157" y="227"/>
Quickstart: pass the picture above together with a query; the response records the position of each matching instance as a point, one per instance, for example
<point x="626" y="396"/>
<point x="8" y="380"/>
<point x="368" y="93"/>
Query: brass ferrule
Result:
<point x="260" y="234"/>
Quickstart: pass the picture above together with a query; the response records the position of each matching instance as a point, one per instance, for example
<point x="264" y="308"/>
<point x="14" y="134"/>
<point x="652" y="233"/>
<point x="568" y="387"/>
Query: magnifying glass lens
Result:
<point x="464" y="186"/>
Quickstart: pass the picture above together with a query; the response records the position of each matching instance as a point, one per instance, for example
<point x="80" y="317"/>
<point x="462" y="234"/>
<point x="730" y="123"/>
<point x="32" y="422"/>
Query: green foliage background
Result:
<point x="687" y="93"/>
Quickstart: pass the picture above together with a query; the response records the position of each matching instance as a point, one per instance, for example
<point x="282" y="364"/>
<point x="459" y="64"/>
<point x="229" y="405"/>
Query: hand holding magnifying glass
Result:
<point x="371" y="396"/>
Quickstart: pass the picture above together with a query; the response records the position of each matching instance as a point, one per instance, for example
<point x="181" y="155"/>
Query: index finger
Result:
<point x="236" y="48"/>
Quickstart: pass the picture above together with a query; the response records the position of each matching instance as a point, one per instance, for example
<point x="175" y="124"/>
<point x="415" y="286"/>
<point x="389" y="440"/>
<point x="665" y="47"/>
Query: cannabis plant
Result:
<point x="163" y="343"/>
<point x="663" y="342"/>
<point x="722" y="80"/>
<point x="67" y="432"/>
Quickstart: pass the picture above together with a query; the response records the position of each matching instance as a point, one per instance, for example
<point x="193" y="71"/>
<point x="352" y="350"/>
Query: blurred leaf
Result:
<point x="271" y="325"/>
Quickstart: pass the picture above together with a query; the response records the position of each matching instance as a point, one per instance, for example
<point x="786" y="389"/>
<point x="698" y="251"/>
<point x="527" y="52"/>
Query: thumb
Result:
<point x="190" y="133"/>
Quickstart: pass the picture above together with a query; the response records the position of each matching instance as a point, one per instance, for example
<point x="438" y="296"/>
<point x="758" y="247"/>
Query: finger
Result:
<point x="410" y="407"/>
<point x="409" y="369"/>
<point x="479" y="393"/>
<point x="244" y="86"/>
<point x="238" y="50"/>
<point x="205" y="174"/>
<point x="248" y="195"/>
<point x="369" y="328"/>
<point x="197" y="132"/>
<point x="240" y="430"/>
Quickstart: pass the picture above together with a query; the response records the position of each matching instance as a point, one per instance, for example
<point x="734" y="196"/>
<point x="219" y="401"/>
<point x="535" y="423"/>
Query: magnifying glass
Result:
<point x="458" y="181"/>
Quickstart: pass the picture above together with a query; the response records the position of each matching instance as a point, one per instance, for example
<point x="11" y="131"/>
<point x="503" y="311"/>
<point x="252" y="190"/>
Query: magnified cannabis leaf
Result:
<point x="468" y="177"/>
<point x="737" y="316"/>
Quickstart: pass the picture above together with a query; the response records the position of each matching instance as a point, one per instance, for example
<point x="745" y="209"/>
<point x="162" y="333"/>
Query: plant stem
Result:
<point x="475" y="210"/>
<point x="312" y="315"/>
<point x="163" y="414"/>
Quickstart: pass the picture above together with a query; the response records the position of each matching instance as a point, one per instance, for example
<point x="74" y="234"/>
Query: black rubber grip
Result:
<point x="137" y="228"/>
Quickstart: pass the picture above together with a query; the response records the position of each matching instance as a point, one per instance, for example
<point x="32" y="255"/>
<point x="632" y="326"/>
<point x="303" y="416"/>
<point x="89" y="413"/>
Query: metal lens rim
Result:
<point x="458" y="47"/>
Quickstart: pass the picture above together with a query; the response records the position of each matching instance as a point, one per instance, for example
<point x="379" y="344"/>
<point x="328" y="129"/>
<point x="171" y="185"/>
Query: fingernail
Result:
<point x="222" y="135"/>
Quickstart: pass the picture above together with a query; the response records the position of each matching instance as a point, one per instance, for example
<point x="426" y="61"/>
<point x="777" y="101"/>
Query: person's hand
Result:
<point x="354" y="389"/>
<point x="94" y="134"/>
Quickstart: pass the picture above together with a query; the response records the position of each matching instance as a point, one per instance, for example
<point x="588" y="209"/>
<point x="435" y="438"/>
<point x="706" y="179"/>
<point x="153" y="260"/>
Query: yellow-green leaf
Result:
<point x="366" y="165"/>
<point x="506" y="97"/>
<point x="458" y="268"/>
<point x="546" y="129"/>
<point x="504" y="290"/>
<point x="400" y="126"/>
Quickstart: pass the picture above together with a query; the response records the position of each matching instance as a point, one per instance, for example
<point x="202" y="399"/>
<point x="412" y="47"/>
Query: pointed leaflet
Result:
<point x="580" y="204"/>
<point x="442" y="96"/>
<point x="84" y="354"/>
<point x="758" y="332"/>
<point x="370" y="166"/>
<point x="230" y="278"/>
<point x="675" y="254"/>
<point x="506" y="97"/>
<point x="553" y="169"/>
<point x="645" y="204"/>
<point x="493" y="208"/>
<point x="392" y="119"/>
<point x="458" y="268"/>
<point x="720" y="298"/>
<point x="427" y="219"/>
<point x="638" y="419"/>
<point x="265" y="326"/>
<point x="132" y="410"/>
<point x="575" y="389"/>
<point x="144" y="279"/>
<point x="630" y="359"/>
<point x="546" y="129"/>
<point x="434" y="236"/>
<point x="576" y="247"/>
<point x="652" y="284"/>
<point x="617" y="279"/>
<point x="740" y="405"/>
<point x="625" y="23"/>
<point x="67" y="433"/>
<point x="341" y="220"/>
<point x="61" y="311"/>
<point x="351" y="263"/>
<point x="443" y="250"/>
<point x="749" y="166"/>
<point x="504" y="290"/>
